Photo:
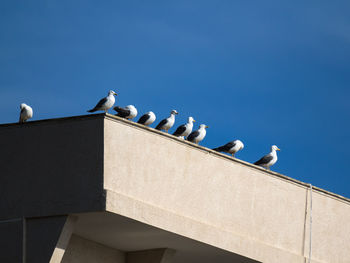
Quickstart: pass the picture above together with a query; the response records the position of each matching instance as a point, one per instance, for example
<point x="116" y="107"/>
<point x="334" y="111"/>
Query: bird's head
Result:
<point x="131" y="107"/>
<point x="22" y="105"/>
<point x="241" y="143"/>
<point x="203" y="126"/>
<point x="275" y="148"/>
<point x="174" y="112"/>
<point x="190" y="119"/>
<point x="111" y="92"/>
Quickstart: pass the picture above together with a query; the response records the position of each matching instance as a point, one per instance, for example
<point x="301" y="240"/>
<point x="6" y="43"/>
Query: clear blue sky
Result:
<point x="265" y="72"/>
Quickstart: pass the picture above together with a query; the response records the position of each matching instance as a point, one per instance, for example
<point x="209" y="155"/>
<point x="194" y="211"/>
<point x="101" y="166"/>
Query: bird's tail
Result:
<point x="117" y="108"/>
<point x="92" y="110"/>
<point x="218" y="149"/>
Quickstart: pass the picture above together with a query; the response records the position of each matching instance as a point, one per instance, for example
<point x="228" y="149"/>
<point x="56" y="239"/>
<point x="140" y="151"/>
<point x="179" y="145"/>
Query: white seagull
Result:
<point x="269" y="159"/>
<point x="26" y="113"/>
<point x="167" y="123"/>
<point x="129" y="112"/>
<point x="184" y="129"/>
<point x="231" y="147"/>
<point x="147" y="119"/>
<point x="198" y="135"/>
<point x="106" y="103"/>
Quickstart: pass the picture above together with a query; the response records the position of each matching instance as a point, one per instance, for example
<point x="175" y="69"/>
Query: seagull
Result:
<point x="185" y="129"/>
<point x="269" y="159"/>
<point x="167" y="123"/>
<point x="106" y="103"/>
<point x="129" y="112"/>
<point x="198" y="135"/>
<point x="147" y="118"/>
<point x="26" y="113"/>
<point x="231" y="147"/>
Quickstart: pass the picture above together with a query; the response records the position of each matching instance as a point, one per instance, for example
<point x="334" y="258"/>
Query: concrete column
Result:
<point x="158" y="255"/>
<point x="41" y="237"/>
<point x="63" y="240"/>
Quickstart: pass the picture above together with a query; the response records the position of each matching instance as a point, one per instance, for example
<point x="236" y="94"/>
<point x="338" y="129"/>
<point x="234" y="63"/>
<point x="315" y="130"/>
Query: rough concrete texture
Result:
<point x="81" y="250"/>
<point x="168" y="176"/>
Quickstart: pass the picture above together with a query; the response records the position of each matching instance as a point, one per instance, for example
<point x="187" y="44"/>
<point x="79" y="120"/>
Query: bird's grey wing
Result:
<point x="161" y="124"/>
<point x="100" y="103"/>
<point x="122" y="112"/>
<point x="264" y="160"/>
<point x="226" y="147"/>
<point x="180" y="130"/>
<point x="143" y="119"/>
<point x="192" y="136"/>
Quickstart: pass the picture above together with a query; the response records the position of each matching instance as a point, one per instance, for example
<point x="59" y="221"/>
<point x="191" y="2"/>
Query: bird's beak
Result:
<point x="278" y="149"/>
<point x="115" y="94"/>
<point x="206" y="126"/>
<point x="194" y="121"/>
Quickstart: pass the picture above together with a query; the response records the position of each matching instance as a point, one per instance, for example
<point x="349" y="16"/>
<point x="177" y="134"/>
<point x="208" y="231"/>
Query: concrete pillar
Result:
<point x="159" y="255"/>
<point x="63" y="240"/>
<point x="41" y="237"/>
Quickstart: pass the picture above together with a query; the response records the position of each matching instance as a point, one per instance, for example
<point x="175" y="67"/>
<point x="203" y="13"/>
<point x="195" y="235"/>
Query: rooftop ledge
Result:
<point x="178" y="140"/>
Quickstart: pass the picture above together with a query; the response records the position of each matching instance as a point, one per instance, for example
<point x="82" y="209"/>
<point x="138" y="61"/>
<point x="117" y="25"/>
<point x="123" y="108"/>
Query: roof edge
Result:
<point x="59" y="119"/>
<point x="221" y="155"/>
<point x="169" y="136"/>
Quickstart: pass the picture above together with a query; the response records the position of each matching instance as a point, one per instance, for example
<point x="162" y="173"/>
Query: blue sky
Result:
<point x="265" y="72"/>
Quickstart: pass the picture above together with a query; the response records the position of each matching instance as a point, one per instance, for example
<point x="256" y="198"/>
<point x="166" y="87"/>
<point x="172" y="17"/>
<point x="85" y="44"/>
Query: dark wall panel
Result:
<point x="51" y="167"/>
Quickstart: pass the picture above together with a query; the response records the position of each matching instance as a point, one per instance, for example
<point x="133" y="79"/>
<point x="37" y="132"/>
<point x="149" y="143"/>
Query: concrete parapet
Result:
<point x="109" y="172"/>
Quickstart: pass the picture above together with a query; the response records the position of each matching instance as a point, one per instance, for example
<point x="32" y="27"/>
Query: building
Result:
<point x="98" y="188"/>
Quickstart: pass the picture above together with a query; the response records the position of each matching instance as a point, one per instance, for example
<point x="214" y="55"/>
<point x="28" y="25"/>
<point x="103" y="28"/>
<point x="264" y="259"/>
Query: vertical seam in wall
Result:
<point x="24" y="240"/>
<point x="310" y="236"/>
<point x="305" y="221"/>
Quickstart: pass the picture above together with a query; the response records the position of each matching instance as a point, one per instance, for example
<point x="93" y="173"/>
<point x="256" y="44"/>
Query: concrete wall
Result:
<point x="194" y="192"/>
<point x="81" y="250"/>
<point x="51" y="167"/>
